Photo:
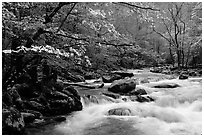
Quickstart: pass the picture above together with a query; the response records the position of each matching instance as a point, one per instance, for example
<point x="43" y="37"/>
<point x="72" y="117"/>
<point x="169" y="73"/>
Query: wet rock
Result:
<point x="12" y="121"/>
<point x="112" y="95"/>
<point x="183" y="76"/>
<point x="120" y="112"/>
<point x="73" y="91"/>
<point x="122" y="86"/>
<point x="28" y="117"/>
<point x="156" y="70"/>
<point x="139" y="91"/>
<point x="138" y="98"/>
<point x="33" y="105"/>
<point x="101" y="86"/>
<point x="56" y="95"/>
<point x="109" y="79"/>
<point x="124" y="74"/>
<point x="90" y="75"/>
<point x="166" y="85"/>
<point x="65" y="106"/>
<point x="37" y="114"/>
<point x="79" y="78"/>
<point x="59" y="118"/>
<point x="192" y="73"/>
<point x="144" y="81"/>
<point x="168" y="72"/>
<point x="144" y="98"/>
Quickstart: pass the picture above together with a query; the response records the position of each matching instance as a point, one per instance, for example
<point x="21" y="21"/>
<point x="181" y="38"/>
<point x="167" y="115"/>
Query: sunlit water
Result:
<point x="175" y="111"/>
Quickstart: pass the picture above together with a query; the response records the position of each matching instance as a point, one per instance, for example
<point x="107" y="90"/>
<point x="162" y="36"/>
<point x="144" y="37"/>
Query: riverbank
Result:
<point x="40" y="89"/>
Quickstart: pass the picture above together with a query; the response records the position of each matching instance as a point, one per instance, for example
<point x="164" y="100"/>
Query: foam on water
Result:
<point x="175" y="111"/>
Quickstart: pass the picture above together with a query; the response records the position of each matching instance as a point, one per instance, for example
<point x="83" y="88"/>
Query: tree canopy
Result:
<point x="107" y="34"/>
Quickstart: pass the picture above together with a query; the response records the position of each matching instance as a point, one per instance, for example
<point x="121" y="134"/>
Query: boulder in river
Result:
<point x="144" y="81"/>
<point x="59" y="118"/>
<point x="120" y="111"/>
<point x="183" y="76"/>
<point x="124" y="74"/>
<point x="122" y="86"/>
<point x="156" y="69"/>
<point x="112" y="95"/>
<point x="144" y="98"/>
<point x="109" y="79"/>
<point x="166" y="85"/>
<point x="139" y="91"/>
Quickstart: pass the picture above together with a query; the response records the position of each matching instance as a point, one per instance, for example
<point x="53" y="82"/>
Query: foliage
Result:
<point x="106" y="34"/>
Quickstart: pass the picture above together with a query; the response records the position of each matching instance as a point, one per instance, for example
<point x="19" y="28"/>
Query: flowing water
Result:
<point x="175" y="111"/>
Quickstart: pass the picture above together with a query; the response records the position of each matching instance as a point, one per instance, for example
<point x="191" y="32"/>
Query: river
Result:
<point x="175" y="111"/>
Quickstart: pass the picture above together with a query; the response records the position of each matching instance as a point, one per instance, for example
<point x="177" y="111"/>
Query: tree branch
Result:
<point x="136" y="6"/>
<point x="161" y="35"/>
<point x="49" y="17"/>
<point x="66" y="16"/>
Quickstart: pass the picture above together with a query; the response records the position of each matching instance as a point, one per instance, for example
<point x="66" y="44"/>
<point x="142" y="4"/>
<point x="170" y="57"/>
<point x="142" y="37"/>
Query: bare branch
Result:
<point x="161" y="35"/>
<point x="135" y="6"/>
<point x="48" y="18"/>
<point x="66" y="16"/>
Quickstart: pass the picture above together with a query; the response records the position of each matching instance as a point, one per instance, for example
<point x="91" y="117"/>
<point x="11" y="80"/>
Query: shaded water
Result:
<point x="176" y="111"/>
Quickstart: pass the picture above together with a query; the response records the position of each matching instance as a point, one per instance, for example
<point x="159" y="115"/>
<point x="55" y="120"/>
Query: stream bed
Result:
<point x="175" y="111"/>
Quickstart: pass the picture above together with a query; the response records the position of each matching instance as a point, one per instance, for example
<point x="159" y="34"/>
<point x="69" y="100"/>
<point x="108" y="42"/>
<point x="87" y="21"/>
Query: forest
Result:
<point x="110" y="35"/>
<point x="47" y="45"/>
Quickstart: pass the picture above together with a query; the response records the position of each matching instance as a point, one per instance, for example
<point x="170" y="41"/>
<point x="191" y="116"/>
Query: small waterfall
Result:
<point x="89" y="100"/>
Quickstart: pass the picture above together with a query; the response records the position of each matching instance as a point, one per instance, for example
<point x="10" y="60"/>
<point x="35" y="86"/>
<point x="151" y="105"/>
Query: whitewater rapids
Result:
<point x="175" y="111"/>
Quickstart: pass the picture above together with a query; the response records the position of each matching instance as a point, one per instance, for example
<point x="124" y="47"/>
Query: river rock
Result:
<point x="166" y="85"/>
<point x="12" y="121"/>
<point x="120" y="112"/>
<point x="33" y="105"/>
<point x="144" y="98"/>
<point x="124" y="74"/>
<point x="138" y="98"/>
<point x="65" y="106"/>
<point x="183" y="76"/>
<point x="138" y="91"/>
<point x="156" y="69"/>
<point x="56" y="95"/>
<point x="59" y="118"/>
<point x="91" y="75"/>
<point x="109" y="79"/>
<point x="144" y="81"/>
<point x="28" y="117"/>
<point x="122" y="86"/>
<point x="73" y="91"/>
<point x="37" y="114"/>
<point x="192" y="73"/>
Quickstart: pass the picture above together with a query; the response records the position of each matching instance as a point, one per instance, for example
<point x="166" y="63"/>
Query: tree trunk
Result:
<point x="171" y="55"/>
<point x="188" y="55"/>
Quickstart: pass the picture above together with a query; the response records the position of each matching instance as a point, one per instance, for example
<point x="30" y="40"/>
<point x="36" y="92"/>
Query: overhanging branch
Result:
<point x="135" y="6"/>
